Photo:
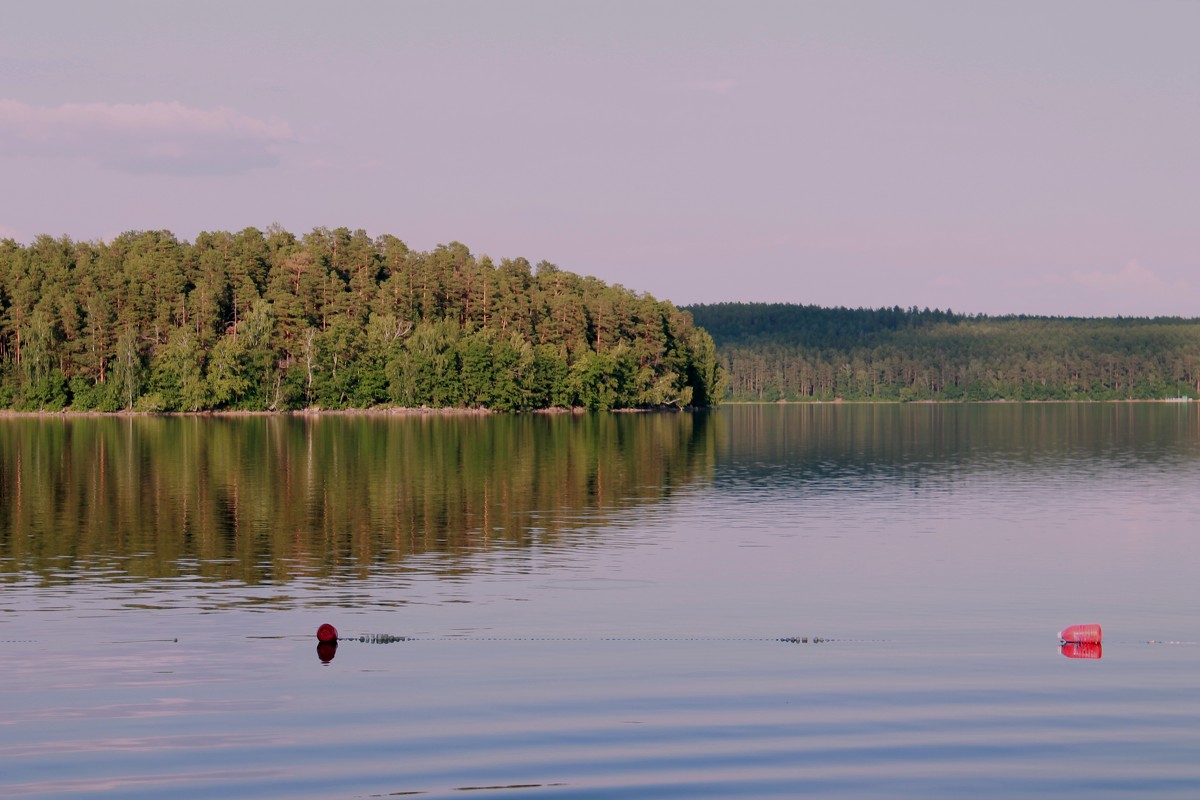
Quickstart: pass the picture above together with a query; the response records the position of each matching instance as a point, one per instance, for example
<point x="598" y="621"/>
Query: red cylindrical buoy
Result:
<point x="1083" y="634"/>
<point x="327" y="633"/>
<point x="1089" y="650"/>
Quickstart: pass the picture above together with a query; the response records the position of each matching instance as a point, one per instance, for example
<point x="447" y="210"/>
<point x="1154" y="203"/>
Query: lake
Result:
<point x="846" y="601"/>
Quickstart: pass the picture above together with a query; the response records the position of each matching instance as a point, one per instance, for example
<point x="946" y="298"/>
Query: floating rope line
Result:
<point x="381" y="638"/>
<point x="329" y="635"/>
<point x="387" y="638"/>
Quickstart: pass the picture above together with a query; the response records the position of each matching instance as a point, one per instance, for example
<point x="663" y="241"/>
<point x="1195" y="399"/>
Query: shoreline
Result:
<point x="426" y="411"/>
<point x="839" y="402"/>
<point x="379" y="411"/>
<point x="301" y="412"/>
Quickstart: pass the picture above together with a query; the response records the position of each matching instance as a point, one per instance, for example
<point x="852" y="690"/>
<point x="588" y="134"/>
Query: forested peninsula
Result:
<point x="803" y="352"/>
<point x="334" y="319"/>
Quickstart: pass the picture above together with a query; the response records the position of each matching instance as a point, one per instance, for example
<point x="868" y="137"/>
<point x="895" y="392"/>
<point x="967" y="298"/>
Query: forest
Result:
<point x="802" y="352"/>
<point x="268" y="321"/>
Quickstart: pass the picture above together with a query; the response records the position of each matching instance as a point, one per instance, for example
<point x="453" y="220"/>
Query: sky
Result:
<point x="986" y="157"/>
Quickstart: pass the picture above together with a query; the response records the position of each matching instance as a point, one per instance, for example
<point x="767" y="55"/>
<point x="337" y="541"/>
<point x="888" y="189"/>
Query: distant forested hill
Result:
<point x="266" y="320"/>
<point x="795" y="352"/>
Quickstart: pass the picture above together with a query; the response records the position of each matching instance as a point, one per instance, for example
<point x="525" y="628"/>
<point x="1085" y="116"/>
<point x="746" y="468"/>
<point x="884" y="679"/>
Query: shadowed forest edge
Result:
<point x="794" y="352"/>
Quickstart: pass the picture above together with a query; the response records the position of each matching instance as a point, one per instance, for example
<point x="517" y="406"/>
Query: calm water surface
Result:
<point x="595" y="604"/>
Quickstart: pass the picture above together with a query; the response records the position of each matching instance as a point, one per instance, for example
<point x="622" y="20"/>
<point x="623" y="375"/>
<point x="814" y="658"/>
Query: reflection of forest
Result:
<point x="273" y="497"/>
<point x="822" y="442"/>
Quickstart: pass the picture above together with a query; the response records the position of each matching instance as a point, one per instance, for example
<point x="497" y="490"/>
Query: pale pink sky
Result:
<point x="993" y="157"/>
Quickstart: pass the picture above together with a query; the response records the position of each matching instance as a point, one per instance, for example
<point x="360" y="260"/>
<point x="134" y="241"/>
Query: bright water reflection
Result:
<point x="596" y="603"/>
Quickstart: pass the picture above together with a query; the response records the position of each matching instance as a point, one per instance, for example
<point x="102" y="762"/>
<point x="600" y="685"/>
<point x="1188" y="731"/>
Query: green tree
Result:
<point x="177" y="381"/>
<point x="128" y="369"/>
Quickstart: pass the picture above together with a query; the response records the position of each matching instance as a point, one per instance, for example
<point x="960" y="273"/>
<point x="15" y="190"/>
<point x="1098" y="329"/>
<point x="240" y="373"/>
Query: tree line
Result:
<point x="266" y="320"/>
<point x="796" y="352"/>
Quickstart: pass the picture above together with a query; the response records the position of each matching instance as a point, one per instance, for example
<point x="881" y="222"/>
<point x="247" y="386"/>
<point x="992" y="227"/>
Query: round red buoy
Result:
<point x="1089" y="634"/>
<point x="327" y="633"/>
<point x="1089" y="650"/>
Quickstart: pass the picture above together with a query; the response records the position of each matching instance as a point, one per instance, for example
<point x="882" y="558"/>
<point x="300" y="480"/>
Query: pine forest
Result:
<point x="268" y="321"/>
<point x="796" y="352"/>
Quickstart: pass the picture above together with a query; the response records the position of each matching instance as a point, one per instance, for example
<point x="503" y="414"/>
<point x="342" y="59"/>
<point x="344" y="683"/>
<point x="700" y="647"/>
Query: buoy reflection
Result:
<point x="1090" y="650"/>
<point x="326" y="651"/>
